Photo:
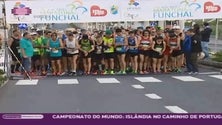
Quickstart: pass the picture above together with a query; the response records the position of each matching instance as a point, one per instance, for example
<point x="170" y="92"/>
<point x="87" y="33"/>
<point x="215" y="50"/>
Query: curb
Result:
<point x="211" y="63"/>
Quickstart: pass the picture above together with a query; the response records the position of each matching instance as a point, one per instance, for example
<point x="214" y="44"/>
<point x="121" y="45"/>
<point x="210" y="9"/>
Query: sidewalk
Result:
<point x="211" y="63"/>
<point x="213" y="45"/>
<point x="213" y="41"/>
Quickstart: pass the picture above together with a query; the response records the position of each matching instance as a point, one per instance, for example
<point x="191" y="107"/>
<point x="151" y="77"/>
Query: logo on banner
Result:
<point x="114" y="9"/>
<point x="22" y="26"/>
<point x="21" y="9"/>
<point x="132" y="10"/>
<point x="96" y="11"/>
<point x="77" y="6"/>
<point x="71" y="12"/>
<point x="193" y="4"/>
<point x="184" y="10"/>
<point x="133" y="2"/>
<point x="133" y="6"/>
<point x="210" y="7"/>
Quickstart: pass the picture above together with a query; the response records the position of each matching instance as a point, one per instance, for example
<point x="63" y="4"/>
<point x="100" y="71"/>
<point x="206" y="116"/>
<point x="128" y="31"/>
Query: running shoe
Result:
<point x="112" y="72"/>
<point x="196" y="73"/>
<point x="106" y="72"/>
<point x="119" y="73"/>
<point x="102" y="72"/>
<point x="44" y="73"/>
<point x="146" y="72"/>
<point x="190" y="73"/>
<point x="123" y="72"/>
<point x="62" y="74"/>
<point x="58" y="74"/>
<point x="54" y="73"/>
<point x="141" y="72"/>
<point x="134" y="72"/>
<point x="74" y="74"/>
<point x="178" y="70"/>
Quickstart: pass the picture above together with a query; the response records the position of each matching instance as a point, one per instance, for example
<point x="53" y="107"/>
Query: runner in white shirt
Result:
<point x="72" y="48"/>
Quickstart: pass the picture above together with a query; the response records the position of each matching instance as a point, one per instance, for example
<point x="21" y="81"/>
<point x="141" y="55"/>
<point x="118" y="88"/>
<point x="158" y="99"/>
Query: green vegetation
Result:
<point x="217" y="57"/>
<point x="1" y="72"/>
<point x="3" y="78"/>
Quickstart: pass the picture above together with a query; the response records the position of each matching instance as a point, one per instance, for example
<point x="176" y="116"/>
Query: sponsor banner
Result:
<point x="73" y="11"/>
<point x="1" y="13"/>
<point x="132" y="118"/>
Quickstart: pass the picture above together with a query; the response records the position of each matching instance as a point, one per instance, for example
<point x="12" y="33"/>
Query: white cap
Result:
<point x="33" y="33"/>
<point x="176" y="27"/>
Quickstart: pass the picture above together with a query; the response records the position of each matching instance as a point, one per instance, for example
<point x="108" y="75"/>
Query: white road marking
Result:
<point x="153" y="96"/>
<point x="175" y="109"/>
<point x="107" y="80"/>
<point x="216" y="76"/>
<point x="208" y="73"/>
<point x="147" y="79"/>
<point x="27" y="82"/>
<point x="187" y="78"/>
<point x="137" y="86"/>
<point x="67" y="81"/>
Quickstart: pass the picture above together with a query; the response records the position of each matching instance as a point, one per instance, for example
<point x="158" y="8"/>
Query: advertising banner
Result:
<point x="110" y="119"/>
<point x="76" y="11"/>
<point x="1" y="13"/>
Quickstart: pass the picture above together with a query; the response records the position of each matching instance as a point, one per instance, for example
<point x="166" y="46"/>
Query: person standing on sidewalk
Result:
<point x="14" y="45"/>
<point x="187" y="49"/>
<point x="205" y="39"/>
<point x="195" y="50"/>
<point x="26" y="52"/>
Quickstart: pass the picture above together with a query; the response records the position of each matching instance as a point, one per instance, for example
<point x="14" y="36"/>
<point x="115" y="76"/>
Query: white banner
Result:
<point x="1" y="13"/>
<point x="73" y="11"/>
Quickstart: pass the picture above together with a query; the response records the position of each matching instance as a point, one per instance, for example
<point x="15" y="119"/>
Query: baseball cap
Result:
<point x="176" y="27"/>
<point x="108" y="32"/>
<point x="33" y="33"/>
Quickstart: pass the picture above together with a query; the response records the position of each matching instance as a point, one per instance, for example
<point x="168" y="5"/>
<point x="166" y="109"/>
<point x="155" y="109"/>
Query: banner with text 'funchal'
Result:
<point x="83" y="11"/>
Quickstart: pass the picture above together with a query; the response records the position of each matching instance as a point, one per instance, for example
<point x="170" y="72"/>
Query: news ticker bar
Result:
<point x="131" y="116"/>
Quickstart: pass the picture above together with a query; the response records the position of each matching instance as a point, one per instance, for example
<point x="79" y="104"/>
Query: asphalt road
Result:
<point x="161" y="93"/>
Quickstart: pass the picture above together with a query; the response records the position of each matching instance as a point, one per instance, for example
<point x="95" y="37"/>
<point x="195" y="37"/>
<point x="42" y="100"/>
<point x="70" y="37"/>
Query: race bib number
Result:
<point x="159" y="49"/>
<point x="55" y="51"/>
<point x="36" y="50"/>
<point x="118" y="49"/>
<point x="47" y="50"/>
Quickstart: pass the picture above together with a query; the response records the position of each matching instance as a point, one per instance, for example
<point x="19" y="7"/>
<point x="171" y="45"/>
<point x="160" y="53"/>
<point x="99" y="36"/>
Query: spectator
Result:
<point x="13" y="43"/>
<point x="195" y="50"/>
<point x="187" y="49"/>
<point x="205" y="39"/>
<point x="196" y="28"/>
<point x="26" y="52"/>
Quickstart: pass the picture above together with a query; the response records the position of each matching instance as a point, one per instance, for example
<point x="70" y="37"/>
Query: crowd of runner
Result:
<point x="119" y="51"/>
